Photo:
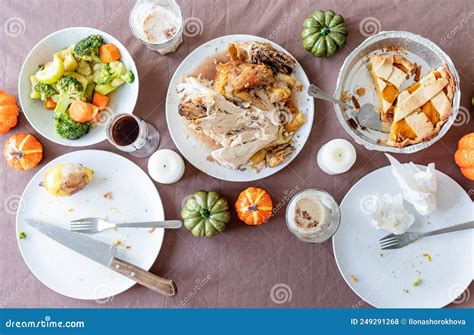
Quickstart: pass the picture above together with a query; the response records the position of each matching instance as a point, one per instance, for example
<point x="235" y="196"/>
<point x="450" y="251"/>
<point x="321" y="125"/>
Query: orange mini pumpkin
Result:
<point x="8" y="112"/>
<point x="464" y="156"/>
<point x="254" y="206"/>
<point x="23" y="151"/>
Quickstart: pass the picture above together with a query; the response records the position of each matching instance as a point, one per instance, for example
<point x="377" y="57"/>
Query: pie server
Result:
<point x="365" y="116"/>
<point x="104" y="254"/>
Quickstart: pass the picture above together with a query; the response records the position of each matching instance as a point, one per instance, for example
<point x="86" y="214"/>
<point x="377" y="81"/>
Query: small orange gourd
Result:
<point x="464" y="156"/>
<point x="254" y="206"/>
<point x="8" y="112"/>
<point x="23" y="151"/>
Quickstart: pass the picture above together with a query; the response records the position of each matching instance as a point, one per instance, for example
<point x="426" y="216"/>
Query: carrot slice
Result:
<point x="100" y="100"/>
<point x="109" y="53"/>
<point x="49" y="103"/>
<point x="80" y="111"/>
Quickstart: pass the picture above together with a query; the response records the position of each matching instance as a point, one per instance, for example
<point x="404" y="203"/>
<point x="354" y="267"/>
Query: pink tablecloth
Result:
<point x="239" y="268"/>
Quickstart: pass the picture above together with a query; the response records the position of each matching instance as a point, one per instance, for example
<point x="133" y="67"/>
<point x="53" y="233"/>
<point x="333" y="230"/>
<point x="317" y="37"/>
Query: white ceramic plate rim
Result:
<point x="80" y="142"/>
<point x="158" y="203"/>
<point x="218" y="171"/>
<point x="334" y="246"/>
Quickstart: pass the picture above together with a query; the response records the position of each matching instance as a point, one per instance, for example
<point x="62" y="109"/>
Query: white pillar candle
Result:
<point x="336" y="156"/>
<point x="166" y="166"/>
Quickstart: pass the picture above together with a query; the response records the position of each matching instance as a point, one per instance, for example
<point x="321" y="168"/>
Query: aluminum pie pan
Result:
<point x="354" y="73"/>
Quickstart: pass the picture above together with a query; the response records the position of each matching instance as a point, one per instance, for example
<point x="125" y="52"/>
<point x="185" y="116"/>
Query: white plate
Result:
<point x="382" y="279"/>
<point x="191" y="149"/>
<point x="134" y="198"/>
<point x="122" y="100"/>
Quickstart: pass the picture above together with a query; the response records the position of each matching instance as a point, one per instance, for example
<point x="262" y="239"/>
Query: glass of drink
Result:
<point x="313" y="216"/>
<point x="158" y="24"/>
<point x="131" y="134"/>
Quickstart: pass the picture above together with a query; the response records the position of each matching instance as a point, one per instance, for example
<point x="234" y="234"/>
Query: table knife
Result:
<point x="104" y="254"/>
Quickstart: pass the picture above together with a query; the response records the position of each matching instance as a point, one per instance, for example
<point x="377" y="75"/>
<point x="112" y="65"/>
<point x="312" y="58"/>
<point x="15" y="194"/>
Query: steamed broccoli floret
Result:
<point x="105" y="75"/>
<point x="129" y="77"/>
<point x="70" y="89"/>
<point x="70" y="86"/>
<point x="45" y="90"/>
<point x="88" y="48"/>
<point x="68" y="128"/>
<point x="112" y="71"/>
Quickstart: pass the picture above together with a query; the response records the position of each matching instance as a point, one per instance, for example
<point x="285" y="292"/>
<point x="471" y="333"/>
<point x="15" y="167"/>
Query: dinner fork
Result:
<point x="364" y="116"/>
<point x="96" y="225"/>
<point x="393" y="241"/>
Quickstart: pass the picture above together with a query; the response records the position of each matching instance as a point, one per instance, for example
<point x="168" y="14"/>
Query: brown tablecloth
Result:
<point x="240" y="267"/>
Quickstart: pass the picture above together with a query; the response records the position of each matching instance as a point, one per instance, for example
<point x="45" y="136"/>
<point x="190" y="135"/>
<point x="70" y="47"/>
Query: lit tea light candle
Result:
<point x="166" y="166"/>
<point x="336" y="156"/>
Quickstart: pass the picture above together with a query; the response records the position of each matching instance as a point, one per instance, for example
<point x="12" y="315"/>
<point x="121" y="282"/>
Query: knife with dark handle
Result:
<point x="104" y="254"/>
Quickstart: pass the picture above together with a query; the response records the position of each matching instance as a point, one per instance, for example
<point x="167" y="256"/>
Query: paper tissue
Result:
<point x="390" y="214"/>
<point x="418" y="186"/>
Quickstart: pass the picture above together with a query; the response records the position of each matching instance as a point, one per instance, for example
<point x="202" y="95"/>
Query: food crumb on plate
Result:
<point x="427" y="256"/>
<point x="70" y="210"/>
<point x="406" y="291"/>
<point x="355" y="102"/>
<point x="360" y="91"/>
<point x="345" y="96"/>
<point x="416" y="282"/>
<point x="354" y="278"/>
<point x="116" y="242"/>
<point x="108" y="195"/>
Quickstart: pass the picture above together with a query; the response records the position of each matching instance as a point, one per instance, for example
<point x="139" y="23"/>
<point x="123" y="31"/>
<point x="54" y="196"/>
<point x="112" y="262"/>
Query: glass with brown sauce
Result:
<point x="131" y="134"/>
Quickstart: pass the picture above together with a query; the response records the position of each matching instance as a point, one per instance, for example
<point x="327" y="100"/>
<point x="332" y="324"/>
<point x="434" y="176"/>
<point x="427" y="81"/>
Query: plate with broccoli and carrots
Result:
<point x="72" y="81"/>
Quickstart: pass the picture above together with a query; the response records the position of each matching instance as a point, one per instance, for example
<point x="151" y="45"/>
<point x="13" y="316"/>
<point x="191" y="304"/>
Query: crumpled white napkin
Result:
<point x="390" y="214"/>
<point x="417" y="185"/>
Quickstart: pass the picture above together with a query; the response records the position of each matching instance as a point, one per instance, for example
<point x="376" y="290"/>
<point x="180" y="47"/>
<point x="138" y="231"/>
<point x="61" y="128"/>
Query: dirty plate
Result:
<point x="67" y="272"/>
<point x="192" y="149"/>
<point x="384" y="278"/>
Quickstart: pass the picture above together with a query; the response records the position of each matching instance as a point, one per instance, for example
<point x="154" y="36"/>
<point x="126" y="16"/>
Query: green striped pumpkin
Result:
<point x="205" y="213"/>
<point x="324" y="32"/>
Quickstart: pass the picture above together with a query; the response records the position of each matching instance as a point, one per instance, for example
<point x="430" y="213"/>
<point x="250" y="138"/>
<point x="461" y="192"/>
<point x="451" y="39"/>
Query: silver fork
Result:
<point x="96" y="225"/>
<point x="393" y="241"/>
<point x="365" y="116"/>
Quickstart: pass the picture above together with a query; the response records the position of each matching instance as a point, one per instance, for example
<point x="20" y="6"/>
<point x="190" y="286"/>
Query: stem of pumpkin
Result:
<point x="17" y="154"/>
<point x="204" y="212"/>
<point x="325" y="31"/>
<point x="253" y="207"/>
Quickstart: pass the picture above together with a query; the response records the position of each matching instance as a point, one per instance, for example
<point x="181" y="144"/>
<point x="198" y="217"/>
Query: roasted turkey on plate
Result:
<point x="246" y="111"/>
